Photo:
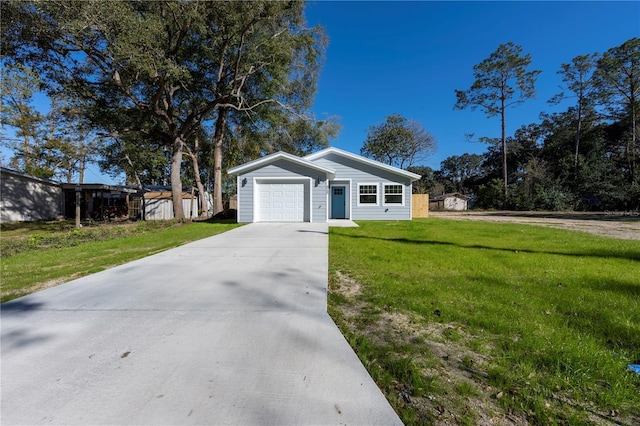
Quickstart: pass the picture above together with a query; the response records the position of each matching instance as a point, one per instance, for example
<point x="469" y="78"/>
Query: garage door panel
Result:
<point x="281" y="202"/>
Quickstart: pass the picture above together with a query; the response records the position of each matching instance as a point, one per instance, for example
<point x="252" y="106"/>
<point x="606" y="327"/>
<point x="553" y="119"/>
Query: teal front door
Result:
<point x="338" y="202"/>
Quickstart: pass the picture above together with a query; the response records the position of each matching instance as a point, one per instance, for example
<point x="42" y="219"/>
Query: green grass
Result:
<point x="556" y="313"/>
<point x="39" y="255"/>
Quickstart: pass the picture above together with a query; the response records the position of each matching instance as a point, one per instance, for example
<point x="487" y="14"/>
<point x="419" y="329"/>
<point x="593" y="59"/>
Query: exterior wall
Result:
<point x="25" y="198"/>
<point x="455" y="203"/>
<point x="281" y="169"/>
<point x="357" y="172"/>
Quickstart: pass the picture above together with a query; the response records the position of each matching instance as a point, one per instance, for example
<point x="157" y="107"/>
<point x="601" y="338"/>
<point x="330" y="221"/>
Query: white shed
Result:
<point x="452" y="201"/>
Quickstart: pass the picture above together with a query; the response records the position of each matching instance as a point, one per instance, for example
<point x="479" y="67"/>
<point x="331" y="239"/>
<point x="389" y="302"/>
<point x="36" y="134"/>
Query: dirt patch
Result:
<point x="462" y="394"/>
<point x="623" y="225"/>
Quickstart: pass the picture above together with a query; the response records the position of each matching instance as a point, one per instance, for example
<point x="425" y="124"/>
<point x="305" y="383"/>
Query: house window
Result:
<point x="393" y="194"/>
<point x="368" y="195"/>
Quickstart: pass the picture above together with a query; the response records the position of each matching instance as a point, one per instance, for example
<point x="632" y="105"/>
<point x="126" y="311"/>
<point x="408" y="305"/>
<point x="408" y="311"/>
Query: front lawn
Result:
<point x="475" y="322"/>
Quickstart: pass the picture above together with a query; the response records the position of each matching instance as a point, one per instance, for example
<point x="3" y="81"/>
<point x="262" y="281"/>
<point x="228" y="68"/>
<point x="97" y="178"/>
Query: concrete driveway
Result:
<point x="231" y="329"/>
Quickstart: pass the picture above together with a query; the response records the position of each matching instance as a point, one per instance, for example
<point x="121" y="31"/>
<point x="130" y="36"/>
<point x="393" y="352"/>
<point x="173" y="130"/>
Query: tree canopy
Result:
<point x="398" y="142"/>
<point x="163" y="69"/>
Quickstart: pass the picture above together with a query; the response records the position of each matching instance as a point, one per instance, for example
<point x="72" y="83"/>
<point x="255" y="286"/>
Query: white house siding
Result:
<point x="282" y="169"/>
<point x="27" y="198"/>
<point x="359" y="172"/>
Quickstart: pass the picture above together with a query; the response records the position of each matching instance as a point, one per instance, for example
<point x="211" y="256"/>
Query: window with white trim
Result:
<point x="368" y="194"/>
<point x="393" y="194"/>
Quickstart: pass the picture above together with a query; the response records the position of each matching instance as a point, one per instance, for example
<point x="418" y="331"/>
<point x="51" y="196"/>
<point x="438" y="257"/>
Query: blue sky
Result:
<point x="387" y="57"/>
<point x="409" y="57"/>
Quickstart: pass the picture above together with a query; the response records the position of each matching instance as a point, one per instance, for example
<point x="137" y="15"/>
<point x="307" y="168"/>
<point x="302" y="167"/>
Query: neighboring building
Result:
<point x="25" y="198"/>
<point x="330" y="184"/>
<point x="452" y="201"/>
<point x="157" y="204"/>
<point x="97" y="201"/>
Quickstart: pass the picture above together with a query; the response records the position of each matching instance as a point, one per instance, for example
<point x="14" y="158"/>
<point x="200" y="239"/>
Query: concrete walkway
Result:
<point x="231" y="329"/>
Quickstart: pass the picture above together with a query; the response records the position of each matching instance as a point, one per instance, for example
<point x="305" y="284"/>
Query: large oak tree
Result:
<point x="162" y="69"/>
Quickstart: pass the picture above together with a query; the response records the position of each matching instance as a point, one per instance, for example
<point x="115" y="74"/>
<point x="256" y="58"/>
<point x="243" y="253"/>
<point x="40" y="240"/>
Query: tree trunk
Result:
<point x="81" y="162"/>
<point x="504" y="153"/>
<point x="196" y="172"/>
<point x="633" y="138"/>
<point x="577" y="142"/>
<point x="221" y="125"/>
<point x="176" y="182"/>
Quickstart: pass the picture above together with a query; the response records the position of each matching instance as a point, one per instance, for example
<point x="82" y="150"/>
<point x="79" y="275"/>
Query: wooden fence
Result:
<point x="419" y="205"/>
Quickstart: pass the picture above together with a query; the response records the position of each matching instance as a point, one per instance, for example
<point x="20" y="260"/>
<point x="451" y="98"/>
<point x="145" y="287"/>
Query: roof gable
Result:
<point x="363" y="160"/>
<point x="268" y="159"/>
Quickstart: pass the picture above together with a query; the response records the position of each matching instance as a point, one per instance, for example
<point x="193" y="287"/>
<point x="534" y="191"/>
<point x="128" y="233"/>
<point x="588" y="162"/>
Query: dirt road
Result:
<point x="625" y="225"/>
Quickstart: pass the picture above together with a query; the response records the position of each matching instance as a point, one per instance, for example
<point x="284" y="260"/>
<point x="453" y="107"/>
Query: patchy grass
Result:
<point x="33" y="236"/>
<point x="40" y="255"/>
<point x="476" y="323"/>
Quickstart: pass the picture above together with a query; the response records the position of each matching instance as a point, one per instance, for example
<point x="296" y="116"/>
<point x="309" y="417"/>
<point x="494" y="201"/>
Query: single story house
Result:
<point x="452" y="201"/>
<point x="329" y="184"/>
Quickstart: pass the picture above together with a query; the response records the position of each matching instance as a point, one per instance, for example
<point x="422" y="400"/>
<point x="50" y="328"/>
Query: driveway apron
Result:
<point x="232" y="329"/>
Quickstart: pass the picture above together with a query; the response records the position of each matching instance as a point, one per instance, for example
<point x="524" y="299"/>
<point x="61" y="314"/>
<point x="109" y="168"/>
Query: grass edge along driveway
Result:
<point x="32" y="270"/>
<point x="473" y="322"/>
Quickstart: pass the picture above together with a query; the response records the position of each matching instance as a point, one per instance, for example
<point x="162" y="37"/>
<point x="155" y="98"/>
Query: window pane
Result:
<point x="368" y="199"/>
<point x="393" y="199"/>
<point x="368" y="189"/>
<point x="393" y="189"/>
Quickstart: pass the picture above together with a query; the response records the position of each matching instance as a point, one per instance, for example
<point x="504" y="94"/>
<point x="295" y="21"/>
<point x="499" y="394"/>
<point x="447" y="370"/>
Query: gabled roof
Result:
<point x="279" y="156"/>
<point x="359" y="158"/>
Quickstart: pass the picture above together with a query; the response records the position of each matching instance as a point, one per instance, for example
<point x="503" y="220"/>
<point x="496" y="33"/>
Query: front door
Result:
<point x="338" y="202"/>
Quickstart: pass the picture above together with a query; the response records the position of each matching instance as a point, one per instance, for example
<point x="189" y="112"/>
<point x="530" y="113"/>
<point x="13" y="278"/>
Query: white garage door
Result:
<point x="281" y="202"/>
